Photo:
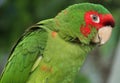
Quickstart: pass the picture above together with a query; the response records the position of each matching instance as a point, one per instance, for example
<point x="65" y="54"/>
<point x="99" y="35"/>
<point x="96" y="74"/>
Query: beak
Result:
<point x="105" y="32"/>
<point x="108" y="20"/>
<point x="103" y="35"/>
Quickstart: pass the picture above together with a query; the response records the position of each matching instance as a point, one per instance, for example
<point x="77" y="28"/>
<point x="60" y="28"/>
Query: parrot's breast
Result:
<point x="60" y="62"/>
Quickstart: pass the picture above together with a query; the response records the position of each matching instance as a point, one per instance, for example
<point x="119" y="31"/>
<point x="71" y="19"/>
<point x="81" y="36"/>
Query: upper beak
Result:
<point x="104" y="32"/>
<point x="108" y="20"/>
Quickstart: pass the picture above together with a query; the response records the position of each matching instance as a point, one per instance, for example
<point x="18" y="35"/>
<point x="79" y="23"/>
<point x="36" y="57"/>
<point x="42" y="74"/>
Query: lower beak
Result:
<point x="103" y="35"/>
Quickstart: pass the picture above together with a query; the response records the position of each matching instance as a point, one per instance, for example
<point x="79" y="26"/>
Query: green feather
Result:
<point x="61" y="60"/>
<point x="30" y="46"/>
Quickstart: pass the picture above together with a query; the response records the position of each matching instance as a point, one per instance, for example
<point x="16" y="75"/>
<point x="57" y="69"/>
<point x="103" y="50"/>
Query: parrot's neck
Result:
<point x="66" y="34"/>
<point x="48" y="24"/>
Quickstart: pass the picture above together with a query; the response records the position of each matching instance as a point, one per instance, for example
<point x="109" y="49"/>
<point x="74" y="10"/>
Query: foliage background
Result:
<point x="103" y="66"/>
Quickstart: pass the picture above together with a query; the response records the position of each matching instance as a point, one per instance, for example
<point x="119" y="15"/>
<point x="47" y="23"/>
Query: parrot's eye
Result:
<point x="95" y="18"/>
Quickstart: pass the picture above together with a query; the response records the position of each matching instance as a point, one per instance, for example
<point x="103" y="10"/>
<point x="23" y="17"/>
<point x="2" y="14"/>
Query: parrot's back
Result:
<point x="28" y="48"/>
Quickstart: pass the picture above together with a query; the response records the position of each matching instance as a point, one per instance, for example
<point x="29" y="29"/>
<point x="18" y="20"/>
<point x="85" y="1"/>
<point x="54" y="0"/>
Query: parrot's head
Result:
<point x="85" y="23"/>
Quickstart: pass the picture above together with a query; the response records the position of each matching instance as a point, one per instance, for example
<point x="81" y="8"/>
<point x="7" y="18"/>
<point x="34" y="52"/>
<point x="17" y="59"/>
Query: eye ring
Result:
<point x="95" y="18"/>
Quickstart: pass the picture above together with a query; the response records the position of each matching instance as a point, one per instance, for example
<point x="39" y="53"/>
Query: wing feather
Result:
<point x="24" y="54"/>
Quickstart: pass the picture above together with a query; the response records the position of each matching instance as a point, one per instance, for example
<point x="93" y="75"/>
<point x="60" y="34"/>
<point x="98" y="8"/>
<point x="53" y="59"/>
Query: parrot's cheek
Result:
<point x="103" y="35"/>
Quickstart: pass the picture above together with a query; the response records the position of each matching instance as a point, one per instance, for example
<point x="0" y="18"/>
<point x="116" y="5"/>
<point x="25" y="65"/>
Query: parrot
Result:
<point x="54" y="50"/>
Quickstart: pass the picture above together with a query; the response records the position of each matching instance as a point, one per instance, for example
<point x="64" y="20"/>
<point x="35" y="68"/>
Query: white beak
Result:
<point x="103" y="35"/>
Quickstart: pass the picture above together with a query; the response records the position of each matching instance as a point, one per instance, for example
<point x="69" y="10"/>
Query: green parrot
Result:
<point x="53" y="50"/>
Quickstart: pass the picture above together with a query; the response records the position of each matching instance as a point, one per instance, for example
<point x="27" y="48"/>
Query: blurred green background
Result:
<point x="18" y="15"/>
